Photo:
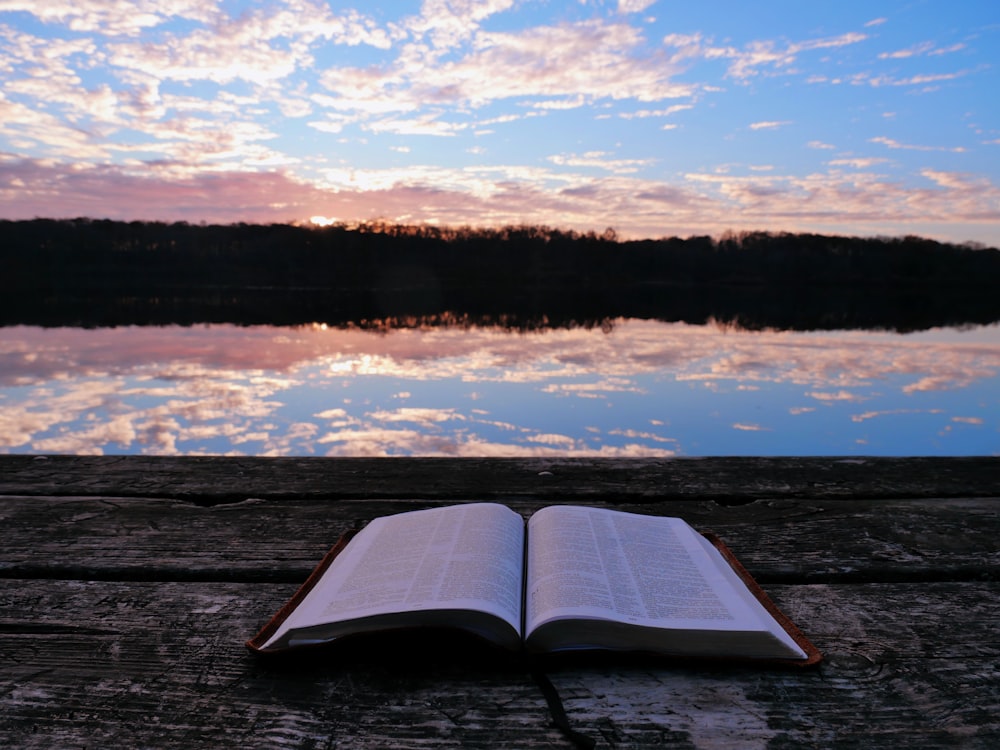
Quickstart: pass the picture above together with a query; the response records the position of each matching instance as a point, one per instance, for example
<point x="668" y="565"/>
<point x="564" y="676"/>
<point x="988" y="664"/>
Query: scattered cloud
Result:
<point x="422" y="416"/>
<point x="769" y="124"/>
<point x="642" y="435"/>
<point x="665" y="112"/>
<point x="921" y="49"/>
<point x="894" y="144"/>
<point x="857" y="163"/>
<point x="835" y="396"/>
<point x="600" y="160"/>
<point x="969" y="420"/>
<point x="891" y="412"/>
<point x="928" y="80"/>
<point x="634" y="6"/>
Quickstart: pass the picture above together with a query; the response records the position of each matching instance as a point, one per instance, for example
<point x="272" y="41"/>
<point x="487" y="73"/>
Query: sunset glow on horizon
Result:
<point x="653" y="117"/>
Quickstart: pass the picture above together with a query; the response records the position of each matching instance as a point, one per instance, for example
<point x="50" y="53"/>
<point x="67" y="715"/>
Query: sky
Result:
<point x="653" y="117"/>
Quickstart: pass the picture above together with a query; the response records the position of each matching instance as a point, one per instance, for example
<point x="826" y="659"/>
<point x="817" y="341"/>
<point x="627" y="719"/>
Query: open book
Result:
<point x="570" y="578"/>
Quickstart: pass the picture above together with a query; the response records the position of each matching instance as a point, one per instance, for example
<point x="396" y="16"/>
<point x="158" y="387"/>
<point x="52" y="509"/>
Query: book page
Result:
<point x="460" y="557"/>
<point x="749" y="599"/>
<point x="642" y="570"/>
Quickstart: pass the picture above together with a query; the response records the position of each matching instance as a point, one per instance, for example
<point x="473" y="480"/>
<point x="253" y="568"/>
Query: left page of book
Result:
<point x="458" y="566"/>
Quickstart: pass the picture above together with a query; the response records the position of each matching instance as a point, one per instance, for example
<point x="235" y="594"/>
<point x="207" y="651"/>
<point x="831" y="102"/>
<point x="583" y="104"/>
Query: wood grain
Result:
<point x="129" y="584"/>
<point x="211" y="480"/>
<point x="281" y="540"/>
<point x="163" y="665"/>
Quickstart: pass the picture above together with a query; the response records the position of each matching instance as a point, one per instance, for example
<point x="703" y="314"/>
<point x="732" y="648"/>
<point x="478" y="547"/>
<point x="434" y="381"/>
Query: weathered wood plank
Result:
<point x="281" y="540"/>
<point x="741" y="479"/>
<point x="162" y="665"/>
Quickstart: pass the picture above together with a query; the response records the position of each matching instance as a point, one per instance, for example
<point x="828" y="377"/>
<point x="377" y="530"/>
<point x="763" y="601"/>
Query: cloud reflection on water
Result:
<point x="645" y="388"/>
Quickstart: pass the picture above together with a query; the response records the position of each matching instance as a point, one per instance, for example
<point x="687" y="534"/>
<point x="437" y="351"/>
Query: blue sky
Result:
<point x="656" y="118"/>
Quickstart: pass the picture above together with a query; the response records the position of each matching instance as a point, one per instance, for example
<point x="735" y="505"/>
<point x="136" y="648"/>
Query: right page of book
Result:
<point x="607" y="579"/>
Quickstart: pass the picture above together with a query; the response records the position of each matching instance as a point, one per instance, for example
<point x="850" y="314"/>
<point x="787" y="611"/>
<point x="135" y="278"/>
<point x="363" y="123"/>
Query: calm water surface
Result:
<point x="642" y="388"/>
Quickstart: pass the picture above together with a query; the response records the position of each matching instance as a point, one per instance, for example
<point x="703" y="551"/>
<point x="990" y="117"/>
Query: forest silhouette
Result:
<point x="379" y="275"/>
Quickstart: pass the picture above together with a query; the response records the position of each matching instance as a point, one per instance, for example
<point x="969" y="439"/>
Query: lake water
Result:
<point x="633" y="388"/>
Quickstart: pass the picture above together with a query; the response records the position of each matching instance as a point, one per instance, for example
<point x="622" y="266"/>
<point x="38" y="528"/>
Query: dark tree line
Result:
<point x="107" y="254"/>
<point x="374" y="272"/>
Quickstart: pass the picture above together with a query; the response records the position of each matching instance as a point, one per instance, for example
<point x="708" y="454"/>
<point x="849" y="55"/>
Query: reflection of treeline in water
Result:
<point x="106" y="273"/>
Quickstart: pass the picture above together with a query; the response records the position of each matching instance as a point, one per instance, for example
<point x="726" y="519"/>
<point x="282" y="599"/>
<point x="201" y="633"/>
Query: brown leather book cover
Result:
<point x="257" y="642"/>
<point x="813" y="655"/>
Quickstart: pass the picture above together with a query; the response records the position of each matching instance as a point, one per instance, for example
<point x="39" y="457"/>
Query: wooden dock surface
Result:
<point x="128" y="586"/>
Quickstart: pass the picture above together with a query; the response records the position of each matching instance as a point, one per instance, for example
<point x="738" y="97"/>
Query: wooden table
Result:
<point x="129" y="584"/>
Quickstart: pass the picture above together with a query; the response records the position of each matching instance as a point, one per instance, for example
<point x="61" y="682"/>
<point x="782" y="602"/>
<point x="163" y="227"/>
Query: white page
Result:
<point x="460" y="557"/>
<point x="643" y="570"/>
<point x="751" y="601"/>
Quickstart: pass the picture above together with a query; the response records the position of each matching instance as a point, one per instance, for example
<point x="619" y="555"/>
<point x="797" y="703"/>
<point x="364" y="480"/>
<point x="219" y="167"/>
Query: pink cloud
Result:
<point x="845" y="201"/>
